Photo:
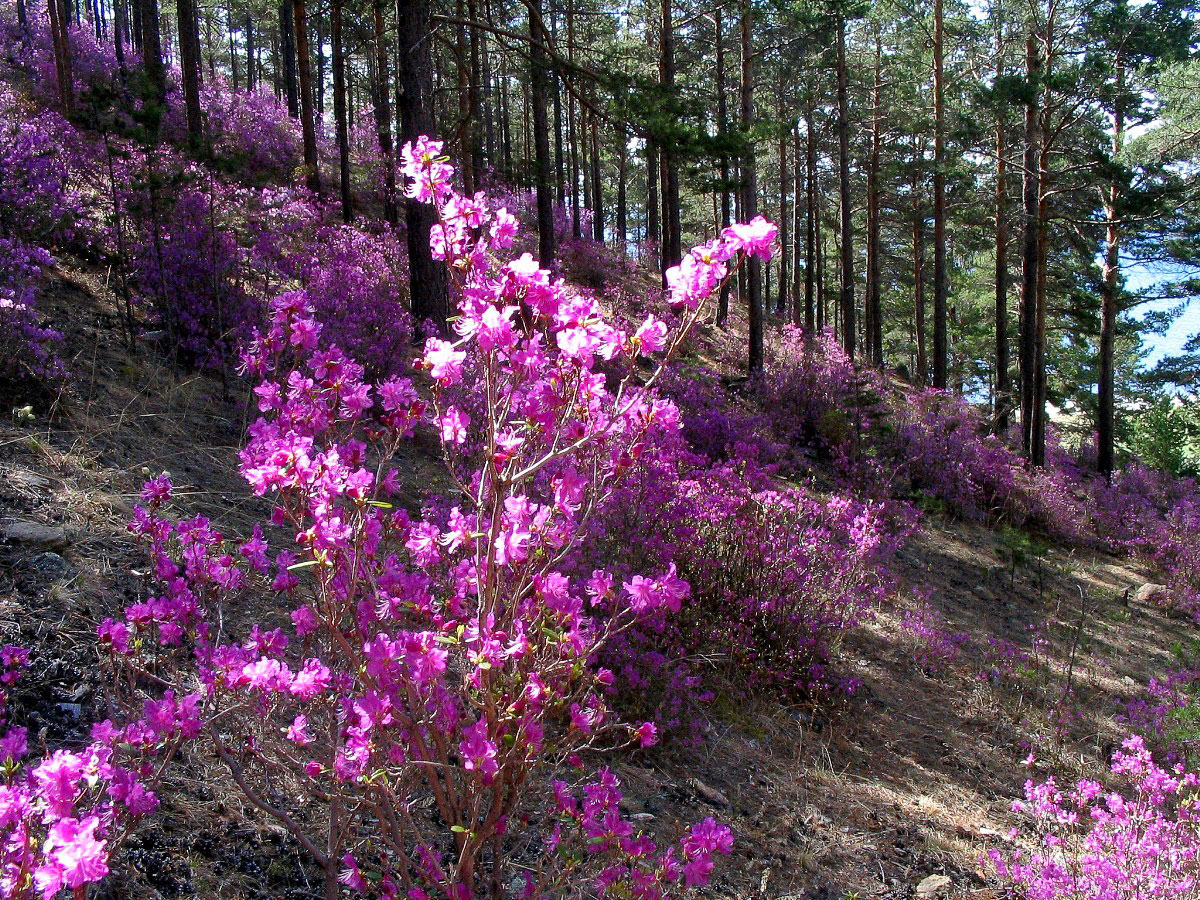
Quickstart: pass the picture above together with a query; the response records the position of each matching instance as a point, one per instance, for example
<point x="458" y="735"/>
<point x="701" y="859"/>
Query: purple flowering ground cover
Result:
<point x="299" y="598"/>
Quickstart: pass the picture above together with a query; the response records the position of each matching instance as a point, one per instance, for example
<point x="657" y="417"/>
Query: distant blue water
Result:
<point x="1139" y="277"/>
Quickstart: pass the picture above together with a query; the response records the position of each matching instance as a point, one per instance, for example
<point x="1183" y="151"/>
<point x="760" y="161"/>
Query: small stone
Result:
<point x="49" y="563"/>
<point x="1151" y="593"/>
<point x="933" y="886"/>
<point x="74" y="710"/>
<point x="34" y="534"/>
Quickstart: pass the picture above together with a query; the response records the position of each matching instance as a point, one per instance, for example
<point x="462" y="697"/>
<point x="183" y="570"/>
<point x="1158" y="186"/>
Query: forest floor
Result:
<point x="912" y="777"/>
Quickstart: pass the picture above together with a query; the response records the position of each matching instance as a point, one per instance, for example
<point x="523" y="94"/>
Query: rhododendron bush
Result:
<point x="38" y="209"/>
<point x="430" y="664"/>
<point x="1095" y="844"/>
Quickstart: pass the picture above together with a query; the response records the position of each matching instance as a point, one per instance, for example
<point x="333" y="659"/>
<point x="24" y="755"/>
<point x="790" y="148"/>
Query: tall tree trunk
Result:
<point x="722" y="131"/>
<point x="672" y="224"/>
<point x="847" y="229"/>
<point x="339" y="107"/>
<point x="252" y="73"/>
<point x="539" y="80"/>
<point x="427" y="278"/>
<point x="785" y="243"/>
<point x="810" y="219"/>
<point x="383" y="116"/>
<point x="1029" y="247"/>
<point x="597" y="186"/>
<point x="622" y="190"/>
<point x="152" y="48"/>
<point x="652" y="226"/>
<point x="1112" y="282"/>
<point x="120" y="33"/>
<point x="874" y="305"/>
<point x="921" y="375"/>
<point x="287" y="40"/>
<point x="304" y="72"/>
<point x="233" y="57"/>
<point x="62" y="54"/>
<point x="1003" y="400"/>
<point x="941" y="348"/>
<point x="750" y="196"/>
<point x="462" y="74"/>
<point x="189" y="64"/>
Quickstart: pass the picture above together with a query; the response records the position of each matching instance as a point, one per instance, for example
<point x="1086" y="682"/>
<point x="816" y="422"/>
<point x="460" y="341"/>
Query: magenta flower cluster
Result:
<point x="1094" y="844"/>
<point x="450" y="654"/>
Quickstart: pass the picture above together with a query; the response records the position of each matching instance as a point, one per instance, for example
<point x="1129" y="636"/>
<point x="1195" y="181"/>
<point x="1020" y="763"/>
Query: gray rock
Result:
<point x="934" y="886"/>
<point x="1151" y="593"/>
<point x="34" y="534"/>
<point x="49" y="563"/>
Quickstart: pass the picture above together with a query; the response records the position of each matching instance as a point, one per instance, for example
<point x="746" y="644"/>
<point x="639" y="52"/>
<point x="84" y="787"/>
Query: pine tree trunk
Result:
<point x="539" y="80"/>
<point x="722" y="130"/>
<point x="252" y="75"/>
<point x="785" y="243"/>
<point x="189" y="56"/>
<point x="287" y="41"/>
<point x="339" y="107"/>
<point x="940" y="276"/>
<point x="152" y="48"/>
<point x="597" y="186"/>
<point x="622" y="191"/>
<point x="652" y="226"/>
<point x="750" y="197"/>
<point x="1105" y="421"/>
<point x="810" y="220"/>
<point x="921" y="375"/>
<point x="874" y="305"/>
<point x="304" y="73"/>
<point x="1003" y="389"/>
<point x="62" y="55"/>
<point x="847" y="229"/>
<point x="383" y="116"/>
<point x="1029" y="249"/>
<point x="427" y="278"/>
<point x="672" y="225"/>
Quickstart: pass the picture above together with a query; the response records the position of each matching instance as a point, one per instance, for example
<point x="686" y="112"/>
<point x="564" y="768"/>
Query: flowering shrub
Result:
<point x="357" y="284"/>
<point x="38" y="210"/>
<point x="250" y="131"/>
<point x="187" y="266"/>
<point x="63" y="816"/>
<point x="936" y="646"/>
<point x="1093" y="844"/>
<point x="444" y="655"/>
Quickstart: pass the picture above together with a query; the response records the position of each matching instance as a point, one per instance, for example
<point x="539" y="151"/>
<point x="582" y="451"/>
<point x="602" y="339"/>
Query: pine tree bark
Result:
<point x="921" y="375"/>
<point x="722" y="132"/>
<point x="750" y="197"/>
<point x="1029" y="248"/>
<point x="597" y="186"/>
<point x="940" y="275"/>
<point x="539" y="80"/>
<point x="252" y="73"/>
<point x="189" y="64"/>
<point x="287" y="42"/>
<point x="1105" y="420"/>
<point x="874" y="306"/>
<point x="785" y="243"/>
<point x="414" y="80"/>
<point x="304" y="73"/>
<point x="652" y="226"/>
<point x="341" y="123"/>
<point x="672" y="219"/>
<point x="383" y="116"/>
<point x="810" y="219"/>
<point x="622" y="190"/>
<point x="1003" y="389"/>
<point x="152" y="48"/>
<point x="62" y="55"/>
<point x="847" y="227"/>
